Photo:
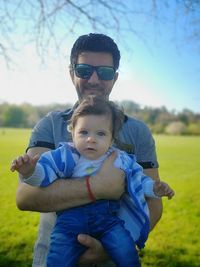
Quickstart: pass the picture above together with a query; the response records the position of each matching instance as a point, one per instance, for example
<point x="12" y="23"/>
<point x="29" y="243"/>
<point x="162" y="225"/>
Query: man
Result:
<point x="93" y="68"/>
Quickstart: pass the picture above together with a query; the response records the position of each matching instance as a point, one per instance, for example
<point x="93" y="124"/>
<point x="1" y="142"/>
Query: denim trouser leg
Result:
<point x="110" y="230"/>
<point x="65" y="250"/>
<point x="120" y="246"/>
<point x="98" y="220"/>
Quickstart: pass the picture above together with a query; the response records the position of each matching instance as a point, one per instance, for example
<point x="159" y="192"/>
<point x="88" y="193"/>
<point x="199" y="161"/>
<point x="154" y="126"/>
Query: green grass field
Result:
<point x="173" y="243"/>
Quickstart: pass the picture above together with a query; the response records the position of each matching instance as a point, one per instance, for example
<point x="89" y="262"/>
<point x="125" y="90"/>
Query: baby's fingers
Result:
<point x="35" y="159"/>
<point x="18" y="162"/>
<point x="13" y="165"/>
<point x="171" y="194"/>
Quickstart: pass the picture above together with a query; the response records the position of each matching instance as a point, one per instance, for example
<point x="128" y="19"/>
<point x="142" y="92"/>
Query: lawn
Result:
<point x="17" y="229"/>
<point x="173" y="243"/>
<point x="175" y="240"/>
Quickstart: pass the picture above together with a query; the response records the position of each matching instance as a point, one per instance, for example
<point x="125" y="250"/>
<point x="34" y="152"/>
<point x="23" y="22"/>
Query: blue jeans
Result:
<point x="98" y="220"/>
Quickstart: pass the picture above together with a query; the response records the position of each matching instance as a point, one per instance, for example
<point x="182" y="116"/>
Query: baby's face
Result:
<point x="92" y="135"/>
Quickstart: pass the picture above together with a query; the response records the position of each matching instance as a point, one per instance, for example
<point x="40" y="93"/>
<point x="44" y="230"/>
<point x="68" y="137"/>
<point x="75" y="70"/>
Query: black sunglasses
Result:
<point x="85" y="71"/>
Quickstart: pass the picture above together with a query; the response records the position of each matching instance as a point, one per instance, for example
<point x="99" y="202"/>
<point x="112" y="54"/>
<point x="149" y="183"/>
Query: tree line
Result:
<point x="160" y="120"/>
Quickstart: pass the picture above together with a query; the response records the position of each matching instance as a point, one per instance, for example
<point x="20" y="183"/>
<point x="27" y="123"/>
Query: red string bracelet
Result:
<point x="90" y="194"/>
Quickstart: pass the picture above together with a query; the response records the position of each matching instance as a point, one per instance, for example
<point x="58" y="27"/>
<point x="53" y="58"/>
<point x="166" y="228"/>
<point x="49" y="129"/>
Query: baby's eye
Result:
<point x="101" y="133"/>
<point x="83" y="132"/>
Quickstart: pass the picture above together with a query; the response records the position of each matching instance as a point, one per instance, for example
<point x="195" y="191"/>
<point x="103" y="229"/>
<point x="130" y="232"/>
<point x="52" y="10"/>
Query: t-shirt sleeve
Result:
<point x="146" y="149"/>
<point x="137" y="133"/>
<point x="42" y="133"/>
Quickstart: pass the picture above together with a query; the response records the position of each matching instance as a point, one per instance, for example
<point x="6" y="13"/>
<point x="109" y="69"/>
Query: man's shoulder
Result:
<point x="57" y="114"/>
<point x="133" y="134"/>
<point x="51" y="130"/>
<point x="53" y="120"/>
<point x="134" y="122"/>
<point x="135" y="127"/>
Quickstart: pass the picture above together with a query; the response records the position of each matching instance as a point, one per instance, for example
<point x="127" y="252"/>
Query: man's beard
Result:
<point x="92" y="90"/>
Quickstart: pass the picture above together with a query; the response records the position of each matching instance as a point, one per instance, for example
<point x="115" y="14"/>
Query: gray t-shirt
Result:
<point x="135" y="138"/>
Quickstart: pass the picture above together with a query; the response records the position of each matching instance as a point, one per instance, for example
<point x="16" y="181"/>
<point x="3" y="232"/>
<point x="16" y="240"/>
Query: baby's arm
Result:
<point x="52" y="165"/>
<point x="36" y="171"/>
<point x="152" y="188"/>
<point x="24" y="165"/>
<point x="162" y="189"/>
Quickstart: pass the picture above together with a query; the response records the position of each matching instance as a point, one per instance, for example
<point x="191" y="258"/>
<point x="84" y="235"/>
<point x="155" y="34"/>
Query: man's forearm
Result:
<point x="108" y="183"/>
<point x="155" y="205"/>
<point x="62" y="194"/>
<point x="155" y="208"/>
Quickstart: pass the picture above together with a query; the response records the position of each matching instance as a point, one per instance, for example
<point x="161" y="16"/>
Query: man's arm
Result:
<point x="61" y="194"/>
<point x="155" y="205"/>
<point x="67" y="193"/>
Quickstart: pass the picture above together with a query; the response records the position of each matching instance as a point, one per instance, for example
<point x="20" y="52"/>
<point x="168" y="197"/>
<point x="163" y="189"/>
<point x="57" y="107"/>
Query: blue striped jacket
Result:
<point x="65" y="161"/>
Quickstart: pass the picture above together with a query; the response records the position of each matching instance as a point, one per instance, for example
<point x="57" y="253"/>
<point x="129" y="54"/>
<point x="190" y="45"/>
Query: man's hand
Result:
<point x="69" y="193"/>
<point x="109" y="182"/>
<point x="94" y="253"/>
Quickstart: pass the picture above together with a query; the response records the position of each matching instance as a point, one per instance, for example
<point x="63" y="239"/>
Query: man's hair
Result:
<point x="95" y="42"/>
<point x="96" y="105"/>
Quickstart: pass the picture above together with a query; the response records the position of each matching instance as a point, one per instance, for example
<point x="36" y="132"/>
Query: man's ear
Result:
<point x="71" y="72"/>
<point x="116" y="76"/>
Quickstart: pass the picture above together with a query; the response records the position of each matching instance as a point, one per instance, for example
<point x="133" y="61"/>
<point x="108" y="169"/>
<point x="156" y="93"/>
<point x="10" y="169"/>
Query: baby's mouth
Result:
<point x="90" y="148"/>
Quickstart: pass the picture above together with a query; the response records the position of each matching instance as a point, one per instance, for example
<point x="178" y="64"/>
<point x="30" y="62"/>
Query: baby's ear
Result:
<point x="69" y="128"/>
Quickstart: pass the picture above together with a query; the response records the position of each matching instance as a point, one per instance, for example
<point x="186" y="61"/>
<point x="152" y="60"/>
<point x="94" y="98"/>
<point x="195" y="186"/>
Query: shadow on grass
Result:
<point x="169" y="258"/>
<point x="6" y="260"/>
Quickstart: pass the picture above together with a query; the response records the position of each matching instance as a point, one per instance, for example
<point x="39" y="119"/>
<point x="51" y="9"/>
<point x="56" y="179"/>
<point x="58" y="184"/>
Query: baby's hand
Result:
<point x="25" y="164"/>
<point x="162" y="189"/>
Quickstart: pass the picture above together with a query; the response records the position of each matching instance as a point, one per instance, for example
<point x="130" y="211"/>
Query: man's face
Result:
<point x="93" y="85"/>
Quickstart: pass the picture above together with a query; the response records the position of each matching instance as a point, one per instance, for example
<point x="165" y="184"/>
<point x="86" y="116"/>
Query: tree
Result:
<point x="130" y="108"/>
<point x="193" y="129"/>
<point x="38" y="21"/>
<point x="14" y="116"/>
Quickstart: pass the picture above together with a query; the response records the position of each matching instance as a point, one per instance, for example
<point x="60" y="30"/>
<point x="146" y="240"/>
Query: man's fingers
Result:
<point x="94" y="252"/>
<point x="86" y="240"/>
<point x="112" y="157"/>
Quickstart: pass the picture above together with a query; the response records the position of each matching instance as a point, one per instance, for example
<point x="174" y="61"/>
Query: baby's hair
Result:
<point x="96" y="105"/>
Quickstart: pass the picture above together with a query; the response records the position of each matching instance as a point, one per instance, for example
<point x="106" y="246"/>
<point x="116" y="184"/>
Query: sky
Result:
<point x="159" y="69"/>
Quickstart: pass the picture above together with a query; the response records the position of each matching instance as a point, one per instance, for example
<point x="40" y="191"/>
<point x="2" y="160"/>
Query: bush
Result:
<point x="176" y="128"/>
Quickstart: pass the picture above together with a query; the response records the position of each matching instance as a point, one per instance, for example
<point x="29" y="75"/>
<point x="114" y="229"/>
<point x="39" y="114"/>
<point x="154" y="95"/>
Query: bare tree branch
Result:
<point x="49" y="23"/>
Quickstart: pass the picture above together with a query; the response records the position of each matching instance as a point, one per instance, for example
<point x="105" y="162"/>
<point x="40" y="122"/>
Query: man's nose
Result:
<point x="94" y="78"/>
